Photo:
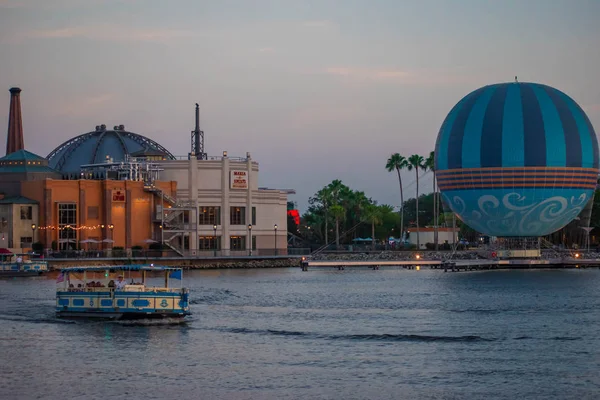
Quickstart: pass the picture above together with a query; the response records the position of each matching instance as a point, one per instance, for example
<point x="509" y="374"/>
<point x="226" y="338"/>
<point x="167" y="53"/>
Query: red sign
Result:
<point x="118" y="196"/>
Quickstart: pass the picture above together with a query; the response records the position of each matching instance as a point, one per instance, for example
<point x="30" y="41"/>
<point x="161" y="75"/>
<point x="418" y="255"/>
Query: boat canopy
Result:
<point x="120" y="268"/>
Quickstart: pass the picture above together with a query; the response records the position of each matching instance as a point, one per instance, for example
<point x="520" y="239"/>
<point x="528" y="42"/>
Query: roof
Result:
<point x="27" y="168"/>
<point x="17" y="200"/>
<point x="22" y="155"/>
<point x="516" y="124"/>
<point x="94" y="147"/>
<point x="121" y="268"/>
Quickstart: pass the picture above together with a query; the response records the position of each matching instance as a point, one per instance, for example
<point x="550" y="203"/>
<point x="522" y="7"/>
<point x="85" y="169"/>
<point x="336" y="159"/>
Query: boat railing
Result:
<point x="127" y="288"/>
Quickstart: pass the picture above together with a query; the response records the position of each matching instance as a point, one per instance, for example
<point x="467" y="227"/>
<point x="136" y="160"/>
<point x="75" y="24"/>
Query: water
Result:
<point x="287" y="334"/>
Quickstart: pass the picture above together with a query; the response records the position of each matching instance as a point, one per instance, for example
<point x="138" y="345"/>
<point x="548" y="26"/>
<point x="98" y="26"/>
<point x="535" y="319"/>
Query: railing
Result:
<point x="170" y="253"/>
<point x="212" y="158"/>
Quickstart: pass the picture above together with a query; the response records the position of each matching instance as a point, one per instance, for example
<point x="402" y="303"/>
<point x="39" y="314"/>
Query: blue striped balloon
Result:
<point x="517" y="159"/>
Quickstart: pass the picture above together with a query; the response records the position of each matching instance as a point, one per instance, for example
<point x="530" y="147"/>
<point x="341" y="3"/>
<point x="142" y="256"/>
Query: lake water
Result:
<point x="288" y="334"/>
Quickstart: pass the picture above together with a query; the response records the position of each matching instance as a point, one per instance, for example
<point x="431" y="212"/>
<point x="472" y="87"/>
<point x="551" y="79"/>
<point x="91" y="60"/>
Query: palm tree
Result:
<point x="416" y="162"/>
<point x="338" y="213"/>
<point x="324" y="197"/>
<point x="398" y="163"/>
<point x="430" y="165"/>
<point x="373" y="215"/>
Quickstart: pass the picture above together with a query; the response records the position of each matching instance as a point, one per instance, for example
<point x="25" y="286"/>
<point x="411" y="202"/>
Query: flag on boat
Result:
<point x="60" y="278"/>
<point x="175" y="274"/>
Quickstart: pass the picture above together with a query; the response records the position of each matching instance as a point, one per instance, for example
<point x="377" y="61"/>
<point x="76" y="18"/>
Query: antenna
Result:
<point x="198" y="138"/>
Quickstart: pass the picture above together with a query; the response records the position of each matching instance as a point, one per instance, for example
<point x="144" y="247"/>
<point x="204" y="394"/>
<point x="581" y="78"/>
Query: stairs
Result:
<point x="173" y="219"/>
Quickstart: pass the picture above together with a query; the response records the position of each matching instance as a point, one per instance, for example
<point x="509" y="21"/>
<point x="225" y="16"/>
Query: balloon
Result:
<point x="517" y="159"/>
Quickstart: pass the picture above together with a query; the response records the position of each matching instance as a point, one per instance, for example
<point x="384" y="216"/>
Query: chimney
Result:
<point x="14" y="137"/>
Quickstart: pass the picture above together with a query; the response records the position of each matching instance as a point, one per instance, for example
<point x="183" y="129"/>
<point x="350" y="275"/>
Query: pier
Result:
<point x="454" y="265"/>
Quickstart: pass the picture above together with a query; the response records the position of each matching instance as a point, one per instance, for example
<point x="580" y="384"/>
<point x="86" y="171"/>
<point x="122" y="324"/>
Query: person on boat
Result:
<point x="120" y="283"/>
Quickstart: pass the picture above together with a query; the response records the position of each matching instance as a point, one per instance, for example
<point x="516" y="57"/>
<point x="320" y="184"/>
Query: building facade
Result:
<point x="99" y="214"/>
<point x="233" y="215"/>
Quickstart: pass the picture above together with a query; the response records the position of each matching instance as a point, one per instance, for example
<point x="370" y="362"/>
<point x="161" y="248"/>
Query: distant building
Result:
<point x="115" y="188"/>
<point x="426" y="235"/>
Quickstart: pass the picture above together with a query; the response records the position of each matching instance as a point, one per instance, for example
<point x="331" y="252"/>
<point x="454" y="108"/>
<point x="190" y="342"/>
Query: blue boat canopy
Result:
<point x="133" y="267"/>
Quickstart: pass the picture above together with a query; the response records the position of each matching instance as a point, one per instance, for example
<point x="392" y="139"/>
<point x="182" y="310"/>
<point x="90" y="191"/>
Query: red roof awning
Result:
<point x="5" y="251"/>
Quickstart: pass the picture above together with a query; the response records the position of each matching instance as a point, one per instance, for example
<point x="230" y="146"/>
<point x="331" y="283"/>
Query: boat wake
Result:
<point x="362" y="337"/>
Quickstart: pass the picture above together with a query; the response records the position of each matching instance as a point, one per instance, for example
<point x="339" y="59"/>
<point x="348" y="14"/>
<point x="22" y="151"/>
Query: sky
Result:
<point x="314" y="90"/>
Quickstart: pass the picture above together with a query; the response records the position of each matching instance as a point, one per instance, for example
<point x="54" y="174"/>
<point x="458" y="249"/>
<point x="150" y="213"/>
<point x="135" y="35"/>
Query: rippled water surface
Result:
<point x="288" y="334"/>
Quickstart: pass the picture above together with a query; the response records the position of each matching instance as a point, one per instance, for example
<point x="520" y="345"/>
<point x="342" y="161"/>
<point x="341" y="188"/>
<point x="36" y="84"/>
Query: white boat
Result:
<point x="121" y="292"/>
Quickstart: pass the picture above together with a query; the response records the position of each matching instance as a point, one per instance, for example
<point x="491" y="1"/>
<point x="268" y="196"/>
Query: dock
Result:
<point x="453" y="265"/>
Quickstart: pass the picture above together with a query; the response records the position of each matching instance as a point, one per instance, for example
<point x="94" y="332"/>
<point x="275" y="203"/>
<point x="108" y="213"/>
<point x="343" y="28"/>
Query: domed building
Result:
<point x="97" y="146"/>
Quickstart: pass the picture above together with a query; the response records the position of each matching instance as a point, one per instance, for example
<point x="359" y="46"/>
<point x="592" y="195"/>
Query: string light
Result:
<point x="74" y="228"/>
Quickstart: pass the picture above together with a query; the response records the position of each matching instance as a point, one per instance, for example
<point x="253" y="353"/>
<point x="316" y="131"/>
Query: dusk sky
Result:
<point x="315" y="90"/>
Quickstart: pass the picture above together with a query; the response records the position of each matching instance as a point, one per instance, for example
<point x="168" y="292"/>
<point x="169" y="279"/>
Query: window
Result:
<point x="237" y="216"/>
<point x="209" y="243"/>
<point x="27" y="212"/>
<point x="209" y="215"/>
<point x="253" y="215"/>
<point x="26" y="241"/>
<point x="237" y="242"/>
<point x="92" y="212"/>
<point x="67" y="224"/>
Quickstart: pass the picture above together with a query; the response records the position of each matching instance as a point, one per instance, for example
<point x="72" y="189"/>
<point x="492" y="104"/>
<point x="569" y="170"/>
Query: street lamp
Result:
<point x="33" y="227"/>
<point x="111" y="227"/>
<point x="215" y="238"/>
<point x="275" y="229"/>
<point x="250" y="236"/>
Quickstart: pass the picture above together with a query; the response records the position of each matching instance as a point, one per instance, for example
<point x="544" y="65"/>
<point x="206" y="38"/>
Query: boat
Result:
<point x="21" y="266"/>
<point x="121" y="292"/>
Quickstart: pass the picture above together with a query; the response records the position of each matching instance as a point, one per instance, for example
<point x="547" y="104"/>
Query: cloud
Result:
<point x="266" y="50"/>
<point x="398" y="76"/>
<point x="111" y="33"/>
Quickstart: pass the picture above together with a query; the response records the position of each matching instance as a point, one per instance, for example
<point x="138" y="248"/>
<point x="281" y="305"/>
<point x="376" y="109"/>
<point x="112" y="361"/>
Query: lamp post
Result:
<point x="111" y="227"/>
<point x="215" y="239"/>
<point x="33" y="227"/>
<point x="275" y="229"/>
<point x="250" y="236"/>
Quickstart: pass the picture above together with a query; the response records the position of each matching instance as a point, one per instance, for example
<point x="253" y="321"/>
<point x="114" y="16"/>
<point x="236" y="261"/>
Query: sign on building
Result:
<point x="239" y="179"/>
<point x="118" y="196"/>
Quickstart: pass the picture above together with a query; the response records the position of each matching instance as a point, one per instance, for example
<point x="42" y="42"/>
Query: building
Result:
<point x="233" y="213"/>
<point x="111" y="188"/>
<point x="426" y="235"/>
<point x="96" y="214"/>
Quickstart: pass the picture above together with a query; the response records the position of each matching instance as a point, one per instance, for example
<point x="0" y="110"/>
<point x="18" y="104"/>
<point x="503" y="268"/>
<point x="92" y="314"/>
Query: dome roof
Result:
<point x="94" y="147"/>
<point x="516" y="125"/>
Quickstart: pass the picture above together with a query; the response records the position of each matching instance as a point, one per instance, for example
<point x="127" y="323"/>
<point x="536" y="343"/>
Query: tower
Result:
<point x="198" y="138"/>
<point x="14" y="137"/>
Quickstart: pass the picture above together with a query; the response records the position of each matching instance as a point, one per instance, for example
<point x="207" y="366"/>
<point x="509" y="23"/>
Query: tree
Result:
<point x="398" y="163"/>
<point x="430" y="165"/>
<point x="416" y="162"/>
<point x="323" y="200"/>
<point x="373" y="215"/>
<point x="338" y="213"/>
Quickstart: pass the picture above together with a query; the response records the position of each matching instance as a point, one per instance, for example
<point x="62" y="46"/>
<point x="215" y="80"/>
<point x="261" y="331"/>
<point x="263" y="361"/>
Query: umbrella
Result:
<point x="108" y="241"/>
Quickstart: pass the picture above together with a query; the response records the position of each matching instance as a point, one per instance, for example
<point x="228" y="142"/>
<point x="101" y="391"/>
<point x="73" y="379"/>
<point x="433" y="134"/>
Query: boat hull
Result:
<point x="13" y="274"/>
<point x="10" y="270"/>
<point x="110" y="304"/>
<point x="102" y="315"/>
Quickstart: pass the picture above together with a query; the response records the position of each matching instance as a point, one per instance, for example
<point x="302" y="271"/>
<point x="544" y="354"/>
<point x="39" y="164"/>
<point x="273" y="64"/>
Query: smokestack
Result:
<point x="14" y="137"/>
